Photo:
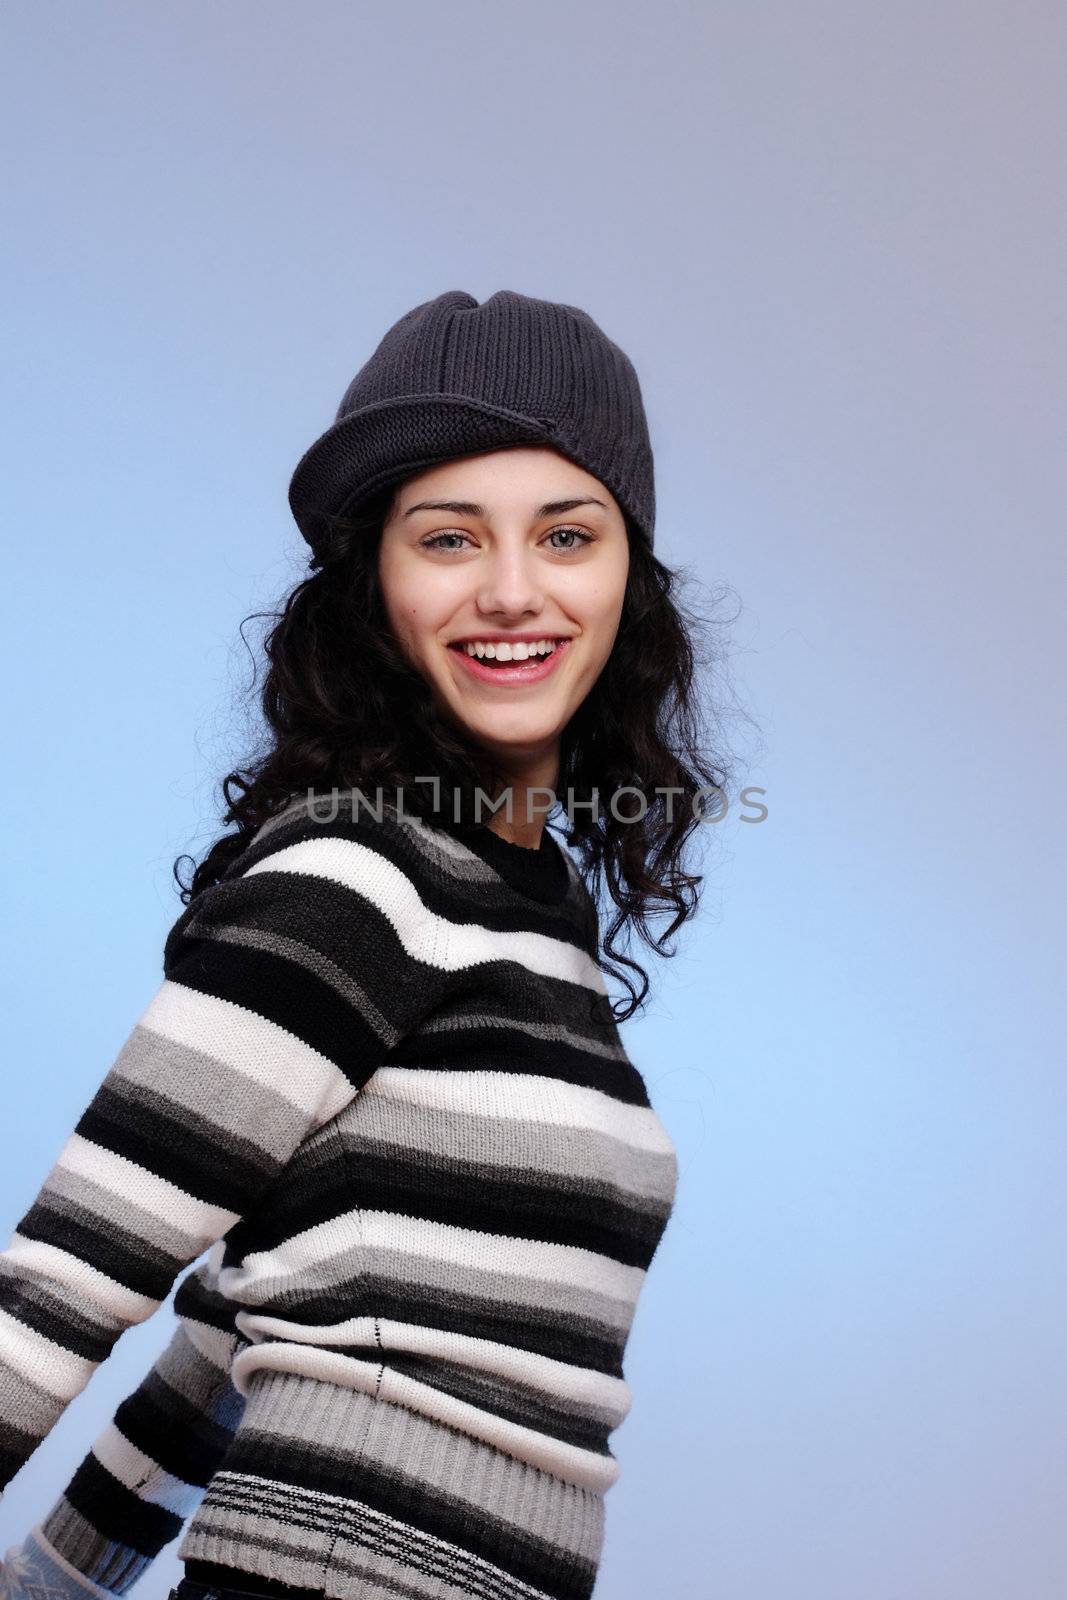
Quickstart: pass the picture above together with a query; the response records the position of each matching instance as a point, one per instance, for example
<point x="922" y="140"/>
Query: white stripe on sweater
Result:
<point x="560" y="1379"/>
<point x="142" y="1474"/>
<point x="583" y="1467"/>
<point x="59" y="1268"/>
<point x="425" y="935"/>
<point x="55" y="1371"/>
<point x="535" y="1260"/>
<point x="137" y="1187"/>
<point x="524" y="1097"/>
<point x="250" y="1045"/>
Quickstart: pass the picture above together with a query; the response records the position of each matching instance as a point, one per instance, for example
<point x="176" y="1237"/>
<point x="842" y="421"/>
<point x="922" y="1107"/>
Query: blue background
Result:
<point x="832" y="240"/>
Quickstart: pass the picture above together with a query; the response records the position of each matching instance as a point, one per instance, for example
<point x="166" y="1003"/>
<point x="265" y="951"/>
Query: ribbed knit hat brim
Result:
<point x="454" y="378"/>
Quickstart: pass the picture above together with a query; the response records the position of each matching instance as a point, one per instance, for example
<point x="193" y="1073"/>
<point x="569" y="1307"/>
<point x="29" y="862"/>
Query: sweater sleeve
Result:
<point x="285" y="986"/>
<point x="142" y="1477"/>
<point x="148" y="1470"/>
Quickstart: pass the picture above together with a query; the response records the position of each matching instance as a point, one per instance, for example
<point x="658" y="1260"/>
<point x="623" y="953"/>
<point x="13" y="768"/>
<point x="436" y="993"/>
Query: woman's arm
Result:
<point x="140" y="1480"/>
<point x="285" y="988"/>
<point x="149" y="1469"/>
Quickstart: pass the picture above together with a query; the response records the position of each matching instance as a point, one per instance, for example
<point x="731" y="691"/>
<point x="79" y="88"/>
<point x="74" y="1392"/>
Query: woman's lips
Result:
<point x="513" y="672"/>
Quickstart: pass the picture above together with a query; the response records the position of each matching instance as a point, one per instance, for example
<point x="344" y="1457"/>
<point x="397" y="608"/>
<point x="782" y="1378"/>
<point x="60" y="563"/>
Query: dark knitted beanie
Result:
<point x="454" y="378"/>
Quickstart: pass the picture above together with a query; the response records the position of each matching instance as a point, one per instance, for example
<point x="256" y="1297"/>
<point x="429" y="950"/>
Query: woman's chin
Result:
<point x="511" y="735"/>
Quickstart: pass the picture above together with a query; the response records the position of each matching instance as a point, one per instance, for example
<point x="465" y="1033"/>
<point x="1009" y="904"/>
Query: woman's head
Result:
<point x="489" y="475"/>
<point x="513" y="544"/>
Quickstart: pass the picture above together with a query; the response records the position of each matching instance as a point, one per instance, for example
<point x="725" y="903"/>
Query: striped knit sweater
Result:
<point x="374" y="1086"/>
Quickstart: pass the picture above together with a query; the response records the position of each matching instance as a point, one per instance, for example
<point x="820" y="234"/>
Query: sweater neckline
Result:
<point x="542" y="874"/>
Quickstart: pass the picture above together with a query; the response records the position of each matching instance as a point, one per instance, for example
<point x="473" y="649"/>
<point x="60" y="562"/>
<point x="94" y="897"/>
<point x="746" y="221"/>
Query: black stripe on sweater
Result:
<point x="15" y="1446"/>
<point x="195" y="1300"/>
<point x="53" y="1317"/>
<point x="480" y="898"/>
<point x="118" y="1254"/>
<point x="477" y="1196"/>
<point x="177" y="1145"/>
<point x="322" y="1194"/>
<point x="490" y="1047"/>
<point x="300" y="1001"/>
<point x="182" y="1438"/>
<point x="578" y="1341"/>
<point x="118" y="1513"/>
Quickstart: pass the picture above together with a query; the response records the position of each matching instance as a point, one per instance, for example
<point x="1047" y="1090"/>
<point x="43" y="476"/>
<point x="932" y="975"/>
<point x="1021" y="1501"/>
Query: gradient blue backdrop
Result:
<point x="832" y="239"/>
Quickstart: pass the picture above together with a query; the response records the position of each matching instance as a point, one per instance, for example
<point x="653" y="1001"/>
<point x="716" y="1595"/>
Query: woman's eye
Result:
<point x="578" y="533"/>
<point x="434" y="541"/>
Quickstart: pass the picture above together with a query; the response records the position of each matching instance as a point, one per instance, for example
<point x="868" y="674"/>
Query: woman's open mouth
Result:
<point x="498" y="661"/>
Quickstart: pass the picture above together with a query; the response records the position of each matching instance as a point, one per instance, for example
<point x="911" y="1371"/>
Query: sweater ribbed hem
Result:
<point x="108" y="1564"/>
<point x="340" y="1491"/>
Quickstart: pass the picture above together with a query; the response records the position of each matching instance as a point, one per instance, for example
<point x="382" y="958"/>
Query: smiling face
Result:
<point x="512" y="546"/>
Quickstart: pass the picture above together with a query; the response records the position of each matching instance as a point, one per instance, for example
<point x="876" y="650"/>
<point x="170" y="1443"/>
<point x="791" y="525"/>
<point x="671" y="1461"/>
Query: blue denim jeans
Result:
<point x="32" y="1570"/>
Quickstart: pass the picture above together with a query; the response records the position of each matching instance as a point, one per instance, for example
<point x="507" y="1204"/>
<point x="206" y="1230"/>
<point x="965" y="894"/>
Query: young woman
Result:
<point x="381" y="1083"/>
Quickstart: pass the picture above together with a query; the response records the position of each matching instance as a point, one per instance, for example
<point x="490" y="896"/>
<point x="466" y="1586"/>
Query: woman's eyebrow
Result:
<point x="470" y="508"/>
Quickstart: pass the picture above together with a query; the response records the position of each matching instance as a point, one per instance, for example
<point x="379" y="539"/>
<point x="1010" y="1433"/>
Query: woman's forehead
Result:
<point x="517" y="471"/>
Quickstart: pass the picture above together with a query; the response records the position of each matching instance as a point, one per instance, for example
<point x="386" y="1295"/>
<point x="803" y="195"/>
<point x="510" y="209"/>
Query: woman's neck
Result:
<point x="531" y="794"/>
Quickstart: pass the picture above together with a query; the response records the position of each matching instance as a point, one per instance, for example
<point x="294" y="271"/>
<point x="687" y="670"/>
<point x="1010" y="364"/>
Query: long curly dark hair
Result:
<point x="344" y="708"/>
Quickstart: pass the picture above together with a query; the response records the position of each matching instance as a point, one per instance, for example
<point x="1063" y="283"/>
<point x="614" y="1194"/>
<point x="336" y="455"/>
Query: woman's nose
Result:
<point x="510" y="586"/>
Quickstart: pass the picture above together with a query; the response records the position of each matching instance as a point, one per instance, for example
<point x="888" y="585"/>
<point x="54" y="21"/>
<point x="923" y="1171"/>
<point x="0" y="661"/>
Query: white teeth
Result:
<point x="502" y="650"/>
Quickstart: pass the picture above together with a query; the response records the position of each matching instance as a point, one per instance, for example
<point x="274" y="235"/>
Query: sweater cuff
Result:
<point x="33" y="1568"/>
